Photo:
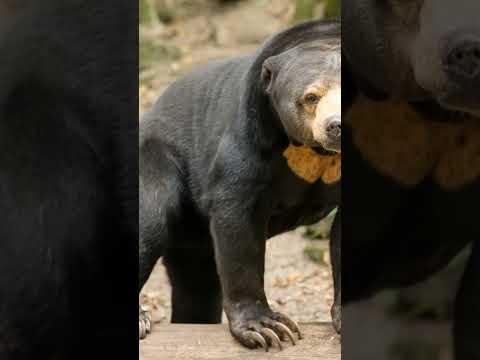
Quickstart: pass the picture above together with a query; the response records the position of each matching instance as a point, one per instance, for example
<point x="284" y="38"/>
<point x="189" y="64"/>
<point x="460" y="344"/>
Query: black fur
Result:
<point x="68" y="180"/>
<point x="394" y="236"/>
<point x="214" y="186"/>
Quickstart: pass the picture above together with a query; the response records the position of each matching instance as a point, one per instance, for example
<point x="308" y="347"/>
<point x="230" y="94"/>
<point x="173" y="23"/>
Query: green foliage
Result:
<point x="306" y="9"/>
<point x="316" y="254"/>
<point x="320" y="230"/>
<point x="333" y="9"/>
<point x="167" y="11"/>
<point x="151" y="53"/>
<point x="147" y="12"/>
<point x="166" y="14"/>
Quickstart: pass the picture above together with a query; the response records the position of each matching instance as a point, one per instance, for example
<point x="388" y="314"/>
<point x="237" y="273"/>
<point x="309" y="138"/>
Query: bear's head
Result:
<point x="417" y="50"/>
<point x="304" y="88"/>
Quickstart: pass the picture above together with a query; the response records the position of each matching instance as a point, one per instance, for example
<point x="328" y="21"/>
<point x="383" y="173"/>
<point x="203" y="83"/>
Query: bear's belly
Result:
<point x="404" y="146"/>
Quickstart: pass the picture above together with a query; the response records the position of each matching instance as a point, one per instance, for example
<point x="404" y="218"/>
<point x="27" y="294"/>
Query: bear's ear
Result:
<point x="268" y="74"/>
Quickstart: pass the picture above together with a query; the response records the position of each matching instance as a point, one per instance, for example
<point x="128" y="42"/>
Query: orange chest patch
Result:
<point x="310" y="166"/>
<point x="408" y="148"/>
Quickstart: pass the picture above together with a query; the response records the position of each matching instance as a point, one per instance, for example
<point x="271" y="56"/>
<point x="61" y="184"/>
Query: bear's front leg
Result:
<point x="239" y="234"/>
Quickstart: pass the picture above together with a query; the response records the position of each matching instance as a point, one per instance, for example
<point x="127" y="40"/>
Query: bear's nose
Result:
<point x="334" y="126"/>
<point x="462" y="60"/>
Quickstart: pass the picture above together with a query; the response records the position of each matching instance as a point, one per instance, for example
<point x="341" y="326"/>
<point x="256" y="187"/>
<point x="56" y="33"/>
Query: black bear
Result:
<point x="68" y="180"/>
<point x="411" y="81"/>
<point x="231" y="155"/>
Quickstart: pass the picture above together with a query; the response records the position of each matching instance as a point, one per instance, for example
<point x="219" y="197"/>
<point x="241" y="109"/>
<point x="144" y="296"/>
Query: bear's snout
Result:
<point x="333" y="127"/>
<point x="327" y="125"/>
<point x="327" y="132"/>
<point x="461" y="59"/>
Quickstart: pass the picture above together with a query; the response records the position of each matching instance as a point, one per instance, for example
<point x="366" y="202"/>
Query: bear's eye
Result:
<point x="312" y="99"/>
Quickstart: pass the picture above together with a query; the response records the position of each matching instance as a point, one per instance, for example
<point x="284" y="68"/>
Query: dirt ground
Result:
<point x="295" y="285"/>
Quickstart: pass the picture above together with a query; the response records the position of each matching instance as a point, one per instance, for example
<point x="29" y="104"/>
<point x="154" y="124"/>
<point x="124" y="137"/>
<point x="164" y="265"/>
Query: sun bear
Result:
<point x="411" y="106"/>
<point x="223" y="157"/>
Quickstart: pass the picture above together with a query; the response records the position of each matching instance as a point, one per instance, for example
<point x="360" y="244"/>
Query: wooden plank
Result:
<point x="198" y="342"/>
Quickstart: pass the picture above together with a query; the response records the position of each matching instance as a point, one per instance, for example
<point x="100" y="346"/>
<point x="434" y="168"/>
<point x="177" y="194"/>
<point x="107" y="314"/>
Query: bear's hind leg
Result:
<point x="196" y="292"/>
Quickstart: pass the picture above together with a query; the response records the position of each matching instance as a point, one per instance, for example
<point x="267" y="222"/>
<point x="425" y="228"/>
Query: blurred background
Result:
<point x="177" y="35"/>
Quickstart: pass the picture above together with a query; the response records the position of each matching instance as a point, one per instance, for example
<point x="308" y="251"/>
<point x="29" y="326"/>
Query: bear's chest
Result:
<point x="311" y="167"/>
<point x="306" y="187"/>
<point x="402" y="145"/>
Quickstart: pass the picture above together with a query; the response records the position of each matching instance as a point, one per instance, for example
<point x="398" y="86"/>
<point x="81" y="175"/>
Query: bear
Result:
<point x="225" y="157"/>
<point x="69" y="180"/>
<point x="411" y="75"/>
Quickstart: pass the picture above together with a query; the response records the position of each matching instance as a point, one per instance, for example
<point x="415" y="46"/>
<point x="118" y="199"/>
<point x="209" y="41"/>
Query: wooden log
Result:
<point x="198" y="342"/>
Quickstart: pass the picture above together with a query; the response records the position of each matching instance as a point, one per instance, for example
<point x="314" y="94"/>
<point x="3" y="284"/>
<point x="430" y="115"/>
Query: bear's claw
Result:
<point x="144" y="324"/>
<point x="267" y="331"/>
<point x="272" y="337"/>
<point x="257" y="338"/>
<point x="290" y="323"/>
